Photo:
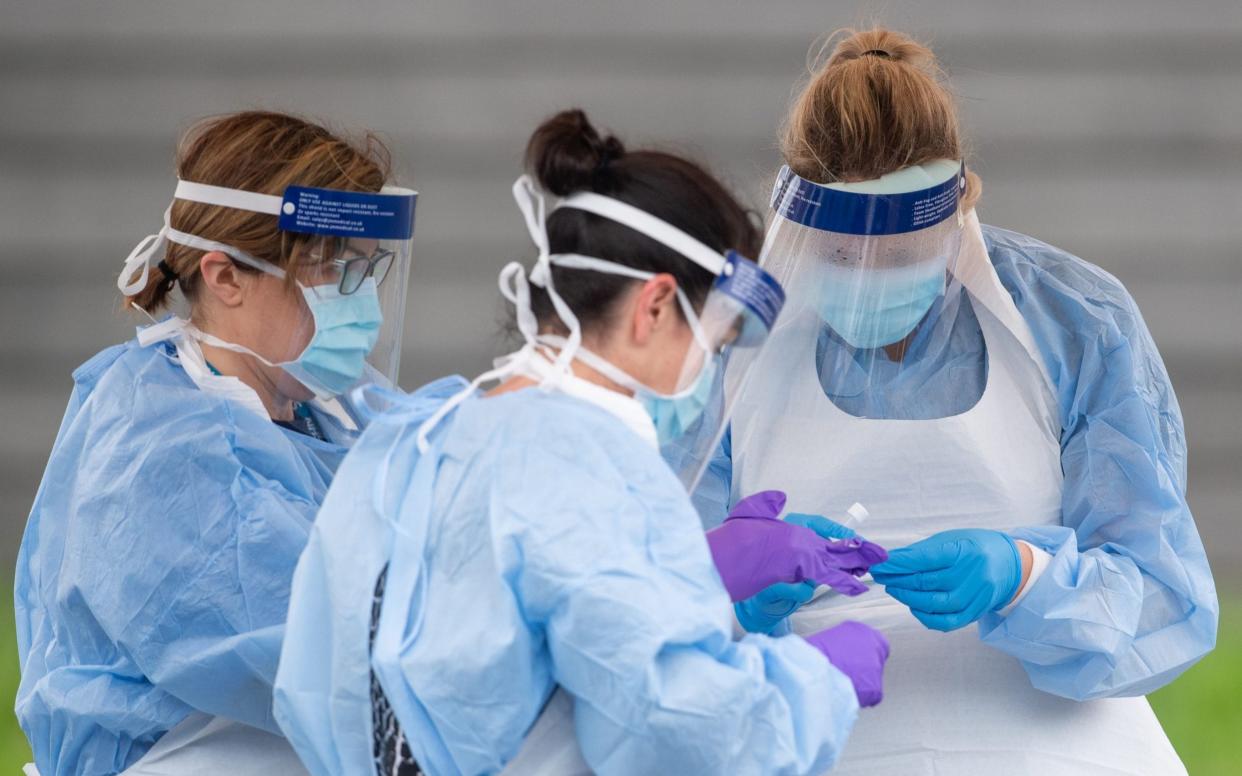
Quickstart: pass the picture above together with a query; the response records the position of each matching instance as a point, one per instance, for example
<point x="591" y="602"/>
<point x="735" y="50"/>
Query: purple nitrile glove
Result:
<point x="753" y="549"/>
<point x="858" y="651"/>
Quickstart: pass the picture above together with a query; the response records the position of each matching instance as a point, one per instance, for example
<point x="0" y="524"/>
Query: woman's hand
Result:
<point x="953" y="578"/>
<point x="754" y="549"/>
<point x="858" y="651"/>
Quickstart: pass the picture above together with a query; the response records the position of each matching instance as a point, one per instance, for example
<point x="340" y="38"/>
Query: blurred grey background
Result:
<point x="1111" y="130"/>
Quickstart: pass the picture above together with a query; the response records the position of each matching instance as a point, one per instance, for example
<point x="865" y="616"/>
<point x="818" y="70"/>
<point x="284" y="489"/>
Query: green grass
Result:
<point x="1201" y="711"/>
<point x="14" y="752"/>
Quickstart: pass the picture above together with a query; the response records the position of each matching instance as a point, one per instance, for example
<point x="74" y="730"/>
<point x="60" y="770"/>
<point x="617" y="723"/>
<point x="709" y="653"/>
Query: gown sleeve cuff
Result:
<point x="1039" y="564"/>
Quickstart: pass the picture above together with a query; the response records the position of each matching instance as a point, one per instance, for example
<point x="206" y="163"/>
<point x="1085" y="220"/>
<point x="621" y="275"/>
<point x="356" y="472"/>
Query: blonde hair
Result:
<point x="264" y="152"/>
<point x="877" y="104"/>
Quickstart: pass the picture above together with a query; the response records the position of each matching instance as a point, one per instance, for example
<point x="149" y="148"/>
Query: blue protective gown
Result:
<point x="554" y="547"/>
<point x="1128" y="602"/>
<point x="322" y="695"/>
<point x="154" y="573"/>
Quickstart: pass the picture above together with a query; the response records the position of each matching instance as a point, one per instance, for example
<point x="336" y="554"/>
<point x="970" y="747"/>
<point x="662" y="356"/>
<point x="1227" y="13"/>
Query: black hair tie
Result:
<point x="169" y="275"/>
<point x="881" y="53"/>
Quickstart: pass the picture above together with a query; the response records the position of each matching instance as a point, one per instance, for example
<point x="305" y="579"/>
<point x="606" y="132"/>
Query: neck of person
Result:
<point x="253" y="375"/>
<point x="897" y="350"/>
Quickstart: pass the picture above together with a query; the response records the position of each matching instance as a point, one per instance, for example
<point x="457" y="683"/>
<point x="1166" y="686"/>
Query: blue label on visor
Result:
<point x="348" y="213"/>
<point x="743" y="280"/>
<point x="848" y="212"/>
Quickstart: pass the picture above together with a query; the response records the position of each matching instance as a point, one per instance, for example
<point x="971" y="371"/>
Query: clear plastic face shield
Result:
<point x="737" y="314"/>
<point x="351" y="253"/>
<point x="737" y="319"/>
<point x="870" y="272"/>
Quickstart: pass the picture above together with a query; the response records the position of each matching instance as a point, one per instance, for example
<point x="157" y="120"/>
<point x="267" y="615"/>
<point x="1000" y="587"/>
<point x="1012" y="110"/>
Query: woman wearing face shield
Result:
<point x="543" y="554"/>
<point x="153" y="577"/>
<point x="1002" y="411"/>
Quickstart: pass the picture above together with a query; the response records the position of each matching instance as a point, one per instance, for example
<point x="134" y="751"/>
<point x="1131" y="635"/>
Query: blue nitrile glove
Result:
<point x="953" y="578"/>
<point x="768" y="608"/>
<point x="827" y="529"/>
<point x="764" y="611"/>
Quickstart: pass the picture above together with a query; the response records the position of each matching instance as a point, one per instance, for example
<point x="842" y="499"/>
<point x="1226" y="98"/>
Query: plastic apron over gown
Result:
<point x="951" y="704"/>
<point x="204" y="744"/>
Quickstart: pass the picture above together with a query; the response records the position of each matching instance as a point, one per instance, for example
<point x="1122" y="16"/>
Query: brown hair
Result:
<point x="877" y="104"/>
<point x="263" y="152"/>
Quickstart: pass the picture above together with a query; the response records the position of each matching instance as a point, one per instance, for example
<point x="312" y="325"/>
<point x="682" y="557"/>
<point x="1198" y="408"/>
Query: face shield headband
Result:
<point x="388" y="215"/>
<point x="908" y="200"/>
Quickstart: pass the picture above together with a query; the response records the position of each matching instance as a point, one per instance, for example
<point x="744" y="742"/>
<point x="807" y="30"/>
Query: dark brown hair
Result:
<point x="567" y="154"/>
<point x="263" y="152"/>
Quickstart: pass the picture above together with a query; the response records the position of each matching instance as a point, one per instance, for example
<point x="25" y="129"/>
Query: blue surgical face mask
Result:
<point x="673" y="415"/>
<point x="871" y="308"/>
<point x="346" y="329"/>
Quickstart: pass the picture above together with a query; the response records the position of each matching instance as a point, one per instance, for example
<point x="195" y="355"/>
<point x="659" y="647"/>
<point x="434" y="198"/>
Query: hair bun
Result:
<point x="878" y="104"/>
<point x="566" y="153"/>
<point x="880" y="44"/>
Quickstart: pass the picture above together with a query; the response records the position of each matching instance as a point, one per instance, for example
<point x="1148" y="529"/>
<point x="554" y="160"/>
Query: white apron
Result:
<point x="551" y="745"/>
<point x="951" y="704"/>
<point x="203" y="744"/>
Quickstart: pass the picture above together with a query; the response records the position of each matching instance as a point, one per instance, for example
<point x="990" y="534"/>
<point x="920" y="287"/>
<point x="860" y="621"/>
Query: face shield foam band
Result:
<point x="907" y="200"/>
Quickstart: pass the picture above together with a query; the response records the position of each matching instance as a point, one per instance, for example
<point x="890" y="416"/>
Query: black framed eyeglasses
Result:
<point x="354" y="271"/>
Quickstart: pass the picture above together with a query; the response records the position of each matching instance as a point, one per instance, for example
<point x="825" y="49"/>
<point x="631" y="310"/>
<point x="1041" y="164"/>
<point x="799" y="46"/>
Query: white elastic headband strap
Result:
<point x="534" y="211"/>
<point x="203" y="244"/>
<point x="140" y="258"/>
<point x="578" y="261"/>
<point x="235" y="198"/>
<point x="153" y="245"/>
<point x="531" y="202"/>
<point x="643" y="222"/>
